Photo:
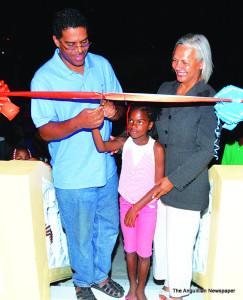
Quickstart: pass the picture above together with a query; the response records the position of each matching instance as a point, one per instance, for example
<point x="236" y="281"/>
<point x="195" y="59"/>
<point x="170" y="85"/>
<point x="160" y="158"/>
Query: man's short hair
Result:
<point x="65" y="18"/>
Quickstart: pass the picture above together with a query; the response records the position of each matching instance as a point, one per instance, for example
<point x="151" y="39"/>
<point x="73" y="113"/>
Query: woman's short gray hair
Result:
<point x="200" y="43"/>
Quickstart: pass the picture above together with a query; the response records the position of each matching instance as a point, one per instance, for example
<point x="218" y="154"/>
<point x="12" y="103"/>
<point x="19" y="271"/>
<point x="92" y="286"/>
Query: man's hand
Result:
<point x="163" y="187"/>
<point x="109" y="109"/>
<point x="91" y="118"/>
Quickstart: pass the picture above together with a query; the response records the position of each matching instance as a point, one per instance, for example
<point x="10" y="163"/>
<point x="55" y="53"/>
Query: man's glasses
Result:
<point x="73" y="47"/>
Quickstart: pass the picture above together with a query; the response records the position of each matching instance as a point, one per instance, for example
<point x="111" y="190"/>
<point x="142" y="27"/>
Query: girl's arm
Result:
<point x="109" y="145"/>
<point x="159" y="154"/>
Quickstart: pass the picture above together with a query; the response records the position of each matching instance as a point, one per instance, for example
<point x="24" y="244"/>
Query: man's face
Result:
<point x="73" y="45"/>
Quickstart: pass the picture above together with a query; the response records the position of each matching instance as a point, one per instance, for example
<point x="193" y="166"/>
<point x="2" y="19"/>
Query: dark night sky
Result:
<point x="136" y="37"/>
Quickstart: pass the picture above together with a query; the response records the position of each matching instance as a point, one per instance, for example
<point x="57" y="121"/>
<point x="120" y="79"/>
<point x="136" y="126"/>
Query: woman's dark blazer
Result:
<point x="188" y="134"/>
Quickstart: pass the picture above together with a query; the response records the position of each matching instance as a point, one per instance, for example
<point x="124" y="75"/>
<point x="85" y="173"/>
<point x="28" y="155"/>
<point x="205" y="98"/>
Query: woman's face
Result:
<point x="186" y="65"/>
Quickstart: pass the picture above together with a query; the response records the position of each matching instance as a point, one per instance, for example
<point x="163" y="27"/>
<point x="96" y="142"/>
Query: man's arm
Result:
<point x="87" y="118"/>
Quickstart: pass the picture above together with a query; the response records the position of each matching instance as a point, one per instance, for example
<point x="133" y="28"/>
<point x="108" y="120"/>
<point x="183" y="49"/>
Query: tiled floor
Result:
<point x="65" y="290"/>
<point x="152" y="291"/>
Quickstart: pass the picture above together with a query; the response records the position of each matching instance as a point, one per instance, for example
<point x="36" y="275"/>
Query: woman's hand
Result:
<point x="130" y="218"/>
<point x="163" y="187"/>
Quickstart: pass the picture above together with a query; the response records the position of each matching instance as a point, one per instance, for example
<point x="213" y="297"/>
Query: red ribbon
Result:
<point x="114" y="96"/>
<point x="10" y="110"/>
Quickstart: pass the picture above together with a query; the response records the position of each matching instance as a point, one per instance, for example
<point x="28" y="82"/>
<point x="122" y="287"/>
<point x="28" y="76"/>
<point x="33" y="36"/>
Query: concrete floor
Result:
<point x="65" y="290"/>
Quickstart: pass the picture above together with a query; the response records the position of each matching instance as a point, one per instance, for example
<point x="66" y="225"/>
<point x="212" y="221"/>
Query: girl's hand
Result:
<point x="130" y="218"/>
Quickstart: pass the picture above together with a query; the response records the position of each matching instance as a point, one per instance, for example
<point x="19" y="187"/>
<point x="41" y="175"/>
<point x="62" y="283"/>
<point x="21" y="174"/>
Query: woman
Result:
<point x="187" y="133"/>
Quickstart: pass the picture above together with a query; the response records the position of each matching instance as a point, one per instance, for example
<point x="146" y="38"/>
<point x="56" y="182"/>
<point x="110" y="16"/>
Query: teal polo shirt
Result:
<point x="75" y="161"/>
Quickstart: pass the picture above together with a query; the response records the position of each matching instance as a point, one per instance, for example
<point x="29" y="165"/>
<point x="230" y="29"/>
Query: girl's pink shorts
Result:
<point x="139" y="238"/>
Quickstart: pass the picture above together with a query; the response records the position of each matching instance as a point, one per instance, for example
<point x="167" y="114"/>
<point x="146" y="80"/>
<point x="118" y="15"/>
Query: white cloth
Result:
<point x="200" y="254"/>
<point x="57" y="250"/>
<point x="174" y="240"/>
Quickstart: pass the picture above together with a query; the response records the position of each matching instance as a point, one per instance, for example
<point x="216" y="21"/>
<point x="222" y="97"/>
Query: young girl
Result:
<point x="142" y="165"/>
<point x="22" y="153"/>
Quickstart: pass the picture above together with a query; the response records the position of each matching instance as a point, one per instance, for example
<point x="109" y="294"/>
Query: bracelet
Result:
<point x="133" y="209"/>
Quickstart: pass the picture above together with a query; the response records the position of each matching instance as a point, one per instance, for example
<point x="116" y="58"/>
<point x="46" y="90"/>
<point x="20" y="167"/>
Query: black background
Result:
<point x="136" y="37"/>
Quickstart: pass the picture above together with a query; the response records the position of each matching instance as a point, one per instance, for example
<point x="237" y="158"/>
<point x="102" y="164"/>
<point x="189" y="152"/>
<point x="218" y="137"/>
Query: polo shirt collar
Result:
<point x="64" y="69"/>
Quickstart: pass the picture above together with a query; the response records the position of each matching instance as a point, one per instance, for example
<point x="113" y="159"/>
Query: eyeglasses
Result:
<point x="71" y="48"/>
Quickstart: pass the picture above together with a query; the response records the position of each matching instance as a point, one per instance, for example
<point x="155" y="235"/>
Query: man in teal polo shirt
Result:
<point x="85" y="180"/>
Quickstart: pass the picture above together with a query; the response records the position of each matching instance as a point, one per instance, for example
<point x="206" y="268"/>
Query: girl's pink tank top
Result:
<point x="138" y="170"/>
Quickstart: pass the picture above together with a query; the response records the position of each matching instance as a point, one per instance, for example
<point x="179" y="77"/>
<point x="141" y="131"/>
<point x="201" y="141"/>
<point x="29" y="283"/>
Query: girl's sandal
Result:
<point x="163" y="295"/>
<point x="84" y="293"/>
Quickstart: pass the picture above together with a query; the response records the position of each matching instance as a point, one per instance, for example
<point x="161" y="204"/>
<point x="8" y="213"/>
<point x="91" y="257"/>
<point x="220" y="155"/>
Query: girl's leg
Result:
<point x="130" y="247"/>
<point x="146" y="222"/>
<point x="132" y="273"/>
<point x="143" y="267"/>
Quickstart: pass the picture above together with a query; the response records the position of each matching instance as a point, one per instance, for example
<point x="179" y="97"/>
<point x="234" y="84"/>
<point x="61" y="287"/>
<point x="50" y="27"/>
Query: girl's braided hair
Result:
<point x="20" y="148"/>
<point x="152" y="109"/>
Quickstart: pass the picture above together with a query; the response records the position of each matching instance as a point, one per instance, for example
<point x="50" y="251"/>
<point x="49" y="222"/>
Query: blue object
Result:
<point x="231" y="113"/>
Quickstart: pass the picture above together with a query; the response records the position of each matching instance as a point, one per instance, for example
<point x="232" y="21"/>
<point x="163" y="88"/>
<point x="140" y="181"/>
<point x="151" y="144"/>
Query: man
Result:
<point x="85" y="180"/>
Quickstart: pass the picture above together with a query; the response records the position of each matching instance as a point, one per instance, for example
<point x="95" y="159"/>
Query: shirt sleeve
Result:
<point x="42" y="110"/>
